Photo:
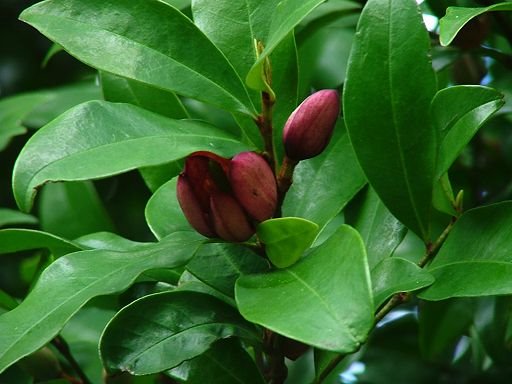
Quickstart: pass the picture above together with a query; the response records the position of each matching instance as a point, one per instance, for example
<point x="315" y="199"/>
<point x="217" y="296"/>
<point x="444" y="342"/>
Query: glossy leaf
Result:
<point x="382" y="233"/>
<point x="107" y="241"/>
<point x="457" y="114"/>
<point x="395" y="143"/>
<point x="324" y="300"/>
<point x="122" y="90"/>
<point x="286" y="16"/>
<point x="160" y="331"/>
<point x="225" y="362"/>
<point x="286" y="239"/>
<point x="457" y="17"/>
<point x="394" y="275"/>
<point x="68" y="283"/>
<point x="479" y="246"/>
<point x="15" y="240"/>
<point x="99" y="139"/>
<point x="163" y="212"/>
<point x="72" y="209"/>
<point x="10" y="216"/>
<point x="322" y="186"/>
<point x="105" y="36"/>
<point x="220" y="265"/>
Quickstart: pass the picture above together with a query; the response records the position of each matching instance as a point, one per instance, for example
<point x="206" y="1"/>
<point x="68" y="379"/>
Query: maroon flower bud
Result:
<point x="254" y="185"/>
<point x="221" y="197"/>
<point x="229" y="219"/>
<point x="309" y="128"/>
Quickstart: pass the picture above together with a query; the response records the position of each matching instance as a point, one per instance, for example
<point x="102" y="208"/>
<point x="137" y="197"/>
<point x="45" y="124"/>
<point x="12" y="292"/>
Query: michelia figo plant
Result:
<point x="316" y="188"/>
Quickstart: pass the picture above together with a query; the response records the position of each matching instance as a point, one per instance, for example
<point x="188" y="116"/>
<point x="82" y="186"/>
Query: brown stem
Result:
<point x="285" y="177"/>
<point x="277" y="370"/>
<point x="264" y="122"/>
<point x="62" y="346"/>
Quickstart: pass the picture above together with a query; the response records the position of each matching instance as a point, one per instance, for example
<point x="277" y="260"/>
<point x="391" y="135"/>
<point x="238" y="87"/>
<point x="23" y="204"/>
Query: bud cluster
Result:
<point x="226" y="198"/>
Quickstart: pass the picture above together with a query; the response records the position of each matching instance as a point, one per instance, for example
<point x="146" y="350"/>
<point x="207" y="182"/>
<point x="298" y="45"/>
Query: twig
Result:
<point x="63" y="348"/>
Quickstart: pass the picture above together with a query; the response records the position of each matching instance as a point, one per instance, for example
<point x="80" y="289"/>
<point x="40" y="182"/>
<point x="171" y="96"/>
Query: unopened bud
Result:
<point x="229" y="219"/>
<point x="309" y="128"/>
<point x="254" y="185"/>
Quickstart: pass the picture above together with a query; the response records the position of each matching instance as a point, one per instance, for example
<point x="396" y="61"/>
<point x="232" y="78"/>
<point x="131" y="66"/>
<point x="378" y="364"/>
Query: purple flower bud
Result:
<point x="229" y="219"/>
<point x="221" y="197"/>
<point x="254" y="185"/>
<point x="309" y="128"/>
<point x="191" y="207"/>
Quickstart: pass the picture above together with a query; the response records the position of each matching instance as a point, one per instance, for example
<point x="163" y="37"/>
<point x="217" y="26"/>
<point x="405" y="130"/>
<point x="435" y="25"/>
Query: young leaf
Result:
<point x="457" y="114"/>
<point x="479" y="246"/>
<point x="286" y="239"/>
<point x="390" y="74"/>
<point x="323" y="185"/>
<point x="286" y="16"/>
<point x="163" y="212"/>
<point x="225" y="362"/>
<point x="98" y="139"/>
<point x="161" y="331"/>
<point x="457" y="17"/>
<point x="324" y="300"/>
<point x="68" y="283"/>
<point x="393" y="275"/>
<point x="166" y="50"/>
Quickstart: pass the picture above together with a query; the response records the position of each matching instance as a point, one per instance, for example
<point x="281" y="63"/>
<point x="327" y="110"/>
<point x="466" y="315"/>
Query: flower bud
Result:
<point x="221" y="197"/>
<point x="309" y="128"/>
<point x="254" y="185"/>
<point x="229" y="219"/>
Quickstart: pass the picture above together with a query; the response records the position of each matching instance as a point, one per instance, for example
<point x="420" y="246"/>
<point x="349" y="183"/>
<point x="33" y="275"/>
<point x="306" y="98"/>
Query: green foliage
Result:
<point x="387" y="258"/>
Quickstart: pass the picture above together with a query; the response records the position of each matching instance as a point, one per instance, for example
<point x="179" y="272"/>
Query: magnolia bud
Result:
<point x="229" y="219"/>
<point x="221" y="197"/>
<point x="254" y="185"/>
<point x="309" y="128"/>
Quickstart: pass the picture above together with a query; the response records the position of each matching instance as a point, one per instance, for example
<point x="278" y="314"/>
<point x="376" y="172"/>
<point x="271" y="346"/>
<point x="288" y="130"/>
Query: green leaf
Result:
<point x="10" y="216"/>
<point x="479" y="246"/>
<point x="322" y="186"/>
<point x="12" y="111"/>
<point x="324" y="300"/>
<point x="15" y="240"/>
<point x="286" y="239"/>
<point x="390" y="70"/>
<point x="107" y="241"/>
<point x="457" y="114"/>
<point x="243" y="23"/>
<point x="220" y="265"/>
<point x="166" y="50"/>
<point x="72" y="209"/>
<point x="394" y="275"/>
<point x="287" y="15"/>
<point x="457" y="17"/>
<point x="225" y="362"/>
<point x="99" y="139"/>
<point x="381" y="232"/>
<point x="68" y="283"/>
<point x="121" y="90"/>
<point x="163" y="212"/>
<point x="160" y="331"/>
